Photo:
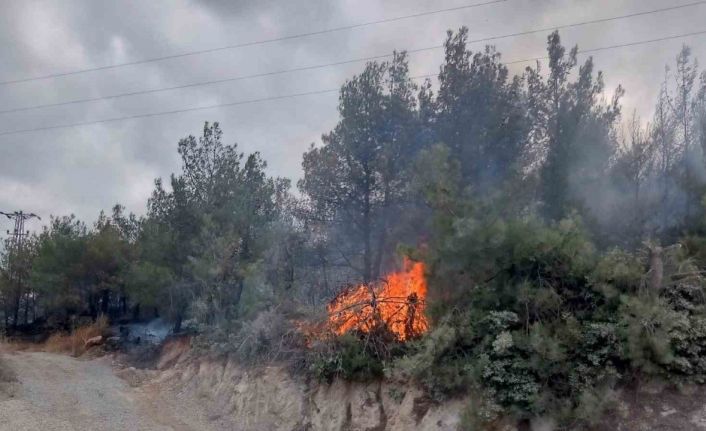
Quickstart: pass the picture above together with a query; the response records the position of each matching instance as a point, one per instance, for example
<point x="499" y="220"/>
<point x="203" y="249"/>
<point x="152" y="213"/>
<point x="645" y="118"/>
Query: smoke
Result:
<point x="154" y="331"/>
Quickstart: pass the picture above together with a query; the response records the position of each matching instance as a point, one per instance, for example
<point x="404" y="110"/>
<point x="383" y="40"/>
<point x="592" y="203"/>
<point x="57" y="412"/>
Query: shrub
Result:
<point x="347" y="356"/>
<point x="269" y="337"/>
<point x="540" y="323"/>
<point x="481" y="414"/>
<point x="435" y="364"/>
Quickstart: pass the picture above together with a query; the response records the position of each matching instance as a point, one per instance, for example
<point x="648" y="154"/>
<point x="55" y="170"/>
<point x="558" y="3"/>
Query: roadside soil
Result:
<point x="45" y="391"/>
<point x="56" y="392"/>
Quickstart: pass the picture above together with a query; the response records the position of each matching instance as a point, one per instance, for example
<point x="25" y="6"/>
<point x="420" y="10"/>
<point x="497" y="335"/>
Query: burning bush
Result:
<point x="368" y="323"/>
<point x="394" y="306"/>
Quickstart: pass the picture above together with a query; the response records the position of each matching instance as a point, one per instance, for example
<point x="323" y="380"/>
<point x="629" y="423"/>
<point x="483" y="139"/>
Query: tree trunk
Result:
<point x="26" y="316"/>
<point x="92" y="310"/>
<point x="16" y="311"/>
<point x="367" y="251"/>
<point x="656" y="268"/>
<point x="105" y="301"/>
<point x="240" y="285"/>
<point x="377" y="268"/>
<point x="383" y="233"/>
<point x="177" y="323"/>
<point x="367" y="231"/>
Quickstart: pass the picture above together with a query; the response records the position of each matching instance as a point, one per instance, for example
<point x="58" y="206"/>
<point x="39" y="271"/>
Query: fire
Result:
<point x="395" y="304"/>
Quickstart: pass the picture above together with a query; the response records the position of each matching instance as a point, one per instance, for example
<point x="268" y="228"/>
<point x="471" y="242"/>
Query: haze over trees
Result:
<point x="532" y="198"/>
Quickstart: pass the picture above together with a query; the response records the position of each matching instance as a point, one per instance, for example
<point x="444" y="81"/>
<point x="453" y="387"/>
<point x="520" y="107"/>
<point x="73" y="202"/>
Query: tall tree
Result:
<point x="700" y="117"/>
<point x="212" y="223"/>
<point x="356" y="179"/>
<point x="481" y="113"/>
<point x="683" y="112"/>
<point x="15" y="290"/>
<point x="59" y="275"/>
<point x="575" y="129"/>
<point x="632" y="173"/>
<point x="668" y="154"/>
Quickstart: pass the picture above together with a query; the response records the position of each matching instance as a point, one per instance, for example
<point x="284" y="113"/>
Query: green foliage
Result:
<point x="577" y="126"/>
<point x="204" y="242"/>
<point x="619" y="270"/>
<point x="482" y="115"/>
<point x="348" y="357"/>
<point x="480" y="414"/>
<point x="148" y="283"/>
<point x="539" y="321"/>
<point x="357" y="178"/>
<point x="438" y="178"/>
<point x="518" y="265"/>
<point x="647" y="323"/>
<point x="205" y="236"/>
<point x="396" y="394"/>
<point x="433" y="361"/>
<point x="664" y="337"/>
<point x="81" y="271"/>
<point x="593" y="404"/>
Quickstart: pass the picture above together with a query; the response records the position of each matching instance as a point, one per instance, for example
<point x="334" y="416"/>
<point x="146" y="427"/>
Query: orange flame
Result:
<point x="396" y="304"/>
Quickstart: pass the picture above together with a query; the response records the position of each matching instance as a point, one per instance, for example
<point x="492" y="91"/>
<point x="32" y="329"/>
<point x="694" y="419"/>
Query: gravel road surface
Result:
<point x="56" y="393"/>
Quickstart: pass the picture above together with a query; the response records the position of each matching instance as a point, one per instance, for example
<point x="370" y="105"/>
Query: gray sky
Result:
<point x="84" y="169"/>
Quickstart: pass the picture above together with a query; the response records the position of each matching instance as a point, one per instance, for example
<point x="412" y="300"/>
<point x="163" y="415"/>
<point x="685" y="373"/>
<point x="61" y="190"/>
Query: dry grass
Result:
<point x="75" y="342"/>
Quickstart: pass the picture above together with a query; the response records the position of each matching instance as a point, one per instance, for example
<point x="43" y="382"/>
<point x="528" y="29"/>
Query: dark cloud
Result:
<point x="85" y="169"/>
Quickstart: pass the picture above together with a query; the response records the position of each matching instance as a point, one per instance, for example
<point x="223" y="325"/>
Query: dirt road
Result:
<point x="57" y="392"/>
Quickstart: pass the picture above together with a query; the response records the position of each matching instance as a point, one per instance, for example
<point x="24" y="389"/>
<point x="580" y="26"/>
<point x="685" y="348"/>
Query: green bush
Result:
<point x="481" y="413"/>
<point x="661" y="338"/>
<point x="347" y="356"/>
<point x="540" y="322"/>
<point x="437" y="363"/>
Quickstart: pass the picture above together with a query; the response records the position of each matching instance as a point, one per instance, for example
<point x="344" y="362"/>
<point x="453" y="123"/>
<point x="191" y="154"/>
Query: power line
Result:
<point x="311" y="93"/>
<point x="593" y="21"/>
<point x="254" y="43"/>
<point x="338" y="63"/>
<point x="198" y="84"/>
<point x="622" y="45"/>
<point x="176" y="111"/>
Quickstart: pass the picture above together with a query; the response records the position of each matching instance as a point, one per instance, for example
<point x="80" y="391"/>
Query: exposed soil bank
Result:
<point x="269" y="398"/>
<point x="44" y="391"/>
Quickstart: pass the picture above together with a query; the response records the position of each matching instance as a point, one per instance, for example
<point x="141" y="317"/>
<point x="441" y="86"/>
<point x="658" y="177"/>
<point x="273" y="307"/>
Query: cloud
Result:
<point x="82" y="170"/>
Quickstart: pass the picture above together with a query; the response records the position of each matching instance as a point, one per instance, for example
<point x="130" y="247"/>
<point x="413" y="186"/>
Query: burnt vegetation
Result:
<point x="564" y="245"/>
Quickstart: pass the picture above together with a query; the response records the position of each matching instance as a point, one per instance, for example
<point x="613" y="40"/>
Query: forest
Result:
<point x="563" y="240"/>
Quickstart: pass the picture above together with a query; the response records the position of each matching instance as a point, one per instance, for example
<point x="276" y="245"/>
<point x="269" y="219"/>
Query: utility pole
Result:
<point x="19" y="233"/>
<point x="15" y="273"/>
